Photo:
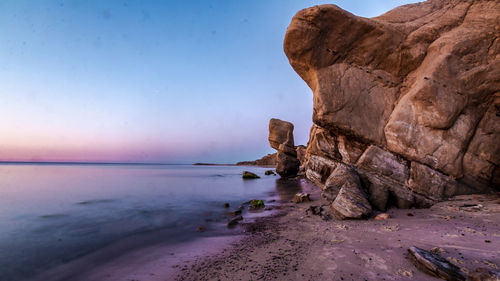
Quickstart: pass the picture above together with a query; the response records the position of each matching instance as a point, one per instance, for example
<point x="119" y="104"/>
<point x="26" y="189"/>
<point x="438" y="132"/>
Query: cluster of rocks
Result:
<point x="236" y="216"/>
<point x="406" y="105"/>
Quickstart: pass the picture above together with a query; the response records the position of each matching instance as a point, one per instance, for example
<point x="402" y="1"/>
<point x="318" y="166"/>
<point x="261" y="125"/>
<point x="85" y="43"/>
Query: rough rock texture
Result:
<point x="301" y="197"/>
<point x="301" y="152"/>
<point x="410" y="99"/>
<point x="351" y="201"/>
<point x="435" y="265"/>
<point x="281" y="139"/>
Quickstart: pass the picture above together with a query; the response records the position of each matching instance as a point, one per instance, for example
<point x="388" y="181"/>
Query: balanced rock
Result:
<point x="410" y="99"/>
<point x="281" y="139"/>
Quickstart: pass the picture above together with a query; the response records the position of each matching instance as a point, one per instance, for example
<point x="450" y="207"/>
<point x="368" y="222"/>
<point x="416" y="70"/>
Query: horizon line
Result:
<point x="89" y="162"/>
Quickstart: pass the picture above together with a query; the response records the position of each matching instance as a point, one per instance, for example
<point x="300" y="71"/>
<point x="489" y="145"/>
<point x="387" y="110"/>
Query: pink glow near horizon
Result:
<point x="160" y="81"/>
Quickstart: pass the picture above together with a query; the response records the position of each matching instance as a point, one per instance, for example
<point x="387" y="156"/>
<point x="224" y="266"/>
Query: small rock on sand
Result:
<point x="382" y="217"/>
<point x="301" y="198"/>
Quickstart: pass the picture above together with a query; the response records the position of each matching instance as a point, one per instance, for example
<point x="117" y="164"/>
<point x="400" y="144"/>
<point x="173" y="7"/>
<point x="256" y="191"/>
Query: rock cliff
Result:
<point x="410" y="99"/>
<point x="268" y="160"/>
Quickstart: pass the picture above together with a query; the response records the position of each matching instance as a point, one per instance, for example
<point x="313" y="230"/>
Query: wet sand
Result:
<point x="295" y="245"/>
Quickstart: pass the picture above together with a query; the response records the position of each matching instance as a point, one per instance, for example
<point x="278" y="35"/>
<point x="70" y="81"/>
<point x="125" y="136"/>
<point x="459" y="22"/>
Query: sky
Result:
<point x="150" y="81"/>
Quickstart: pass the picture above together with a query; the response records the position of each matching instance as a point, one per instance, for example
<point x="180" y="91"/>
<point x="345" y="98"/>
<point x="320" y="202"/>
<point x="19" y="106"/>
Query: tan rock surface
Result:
<point x="281" y="139"/>
<point x="411" y="98"/>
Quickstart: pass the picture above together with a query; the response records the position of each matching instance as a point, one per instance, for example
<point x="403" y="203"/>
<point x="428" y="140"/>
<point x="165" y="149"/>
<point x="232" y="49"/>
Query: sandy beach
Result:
<point x="296" y="245"/>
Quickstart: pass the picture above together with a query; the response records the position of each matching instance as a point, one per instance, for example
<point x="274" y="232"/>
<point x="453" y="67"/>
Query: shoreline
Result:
<point x="148" y="256"/>
<point x="293" y="244"/>
<point x="290" y="243"/>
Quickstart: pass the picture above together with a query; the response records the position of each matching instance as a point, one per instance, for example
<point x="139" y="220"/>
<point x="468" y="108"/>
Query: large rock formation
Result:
<point x="281" y="139"/>
<point x="409" y="99"/>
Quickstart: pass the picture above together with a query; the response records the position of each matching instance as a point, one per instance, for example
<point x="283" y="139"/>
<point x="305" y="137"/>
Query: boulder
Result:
<point x="409" y="99"/>
<point x="269" y="172"/>
<point x="286" y="165"/>
<point x="351" y="202"/>
<point x="336" y="180"/>
<point x="301" y="198"/>
<point x="280" y="132"/>
<point x="281" y="139"/>
<point x="249" y="175"/>
<point x="256" y="204"/>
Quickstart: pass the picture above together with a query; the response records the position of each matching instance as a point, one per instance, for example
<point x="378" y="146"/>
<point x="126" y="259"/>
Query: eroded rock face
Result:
<point x="281" y="139"/>
<point x="351" y="201"/>
<point x="409" y="99"/>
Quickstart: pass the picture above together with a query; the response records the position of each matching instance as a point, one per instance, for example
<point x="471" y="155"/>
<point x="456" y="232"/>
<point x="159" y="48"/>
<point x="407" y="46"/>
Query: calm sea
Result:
<point x="51" y="214"/>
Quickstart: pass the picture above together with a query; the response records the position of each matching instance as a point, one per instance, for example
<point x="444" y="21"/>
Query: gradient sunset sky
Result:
<point x="150" y="81"/>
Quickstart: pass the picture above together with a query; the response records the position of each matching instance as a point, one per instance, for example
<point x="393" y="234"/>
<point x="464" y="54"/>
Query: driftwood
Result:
<point x="435" y="265"/>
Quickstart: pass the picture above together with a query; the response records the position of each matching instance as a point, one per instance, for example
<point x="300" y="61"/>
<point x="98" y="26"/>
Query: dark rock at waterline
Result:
<point x="256" y="204"/>
<point x="234" y="213"/>
<point x="435" y="265"/>
<point x="234" y="221"/>
<point x="249" y="175"/>
<point x="270" y="172"/>
<point x="287" y="165"/>
<point x="226" y="205"/>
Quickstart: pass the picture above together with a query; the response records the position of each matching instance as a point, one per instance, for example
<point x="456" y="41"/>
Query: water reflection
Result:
<point x="287" y="188"/>
<point x="74" y="210"/>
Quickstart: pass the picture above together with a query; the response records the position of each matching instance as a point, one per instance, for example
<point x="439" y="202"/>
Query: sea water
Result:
<point x="51" y="214"/>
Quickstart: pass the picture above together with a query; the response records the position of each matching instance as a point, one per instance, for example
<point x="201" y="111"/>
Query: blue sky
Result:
<point x="150" y="81"/>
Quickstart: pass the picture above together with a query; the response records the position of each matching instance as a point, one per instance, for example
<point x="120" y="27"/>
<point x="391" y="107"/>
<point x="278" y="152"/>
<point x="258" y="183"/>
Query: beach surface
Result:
<point x="293" y="244"/>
